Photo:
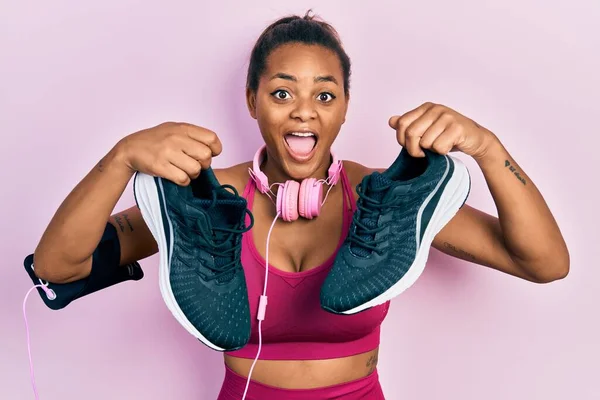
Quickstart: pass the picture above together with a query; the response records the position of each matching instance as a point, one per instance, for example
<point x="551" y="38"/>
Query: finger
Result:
<point x="413" y="147"/>
<point x="405" y="120"/>
<point x="410" y="115"/>
<point x="420" y="125"/>
<point x="206" y="137"/>
<point x="416" y="130"/>
<point x="434" y="130"/>
<point x="174" y="174"/>
<point x="186" y="163"/>
<point x="393" y="122"/>
<point x="444" y="143"/>
<point x="198" y="151"/>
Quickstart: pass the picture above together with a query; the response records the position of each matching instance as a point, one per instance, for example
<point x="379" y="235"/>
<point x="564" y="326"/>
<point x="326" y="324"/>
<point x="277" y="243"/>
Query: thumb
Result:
<point x="393" y="122"/>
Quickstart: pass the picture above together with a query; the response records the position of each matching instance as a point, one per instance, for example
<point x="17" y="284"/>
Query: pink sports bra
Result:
<point x="295" y="326"/>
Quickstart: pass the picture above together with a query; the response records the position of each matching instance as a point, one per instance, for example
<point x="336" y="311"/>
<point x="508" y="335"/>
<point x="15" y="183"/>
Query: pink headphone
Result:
<point x="293" y="198"/>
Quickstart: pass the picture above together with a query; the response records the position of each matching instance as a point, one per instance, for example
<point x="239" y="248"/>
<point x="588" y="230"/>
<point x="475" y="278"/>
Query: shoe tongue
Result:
<point x="400" y="172"/>
<point x="373" y="183"/>
<point x="379" y="181"/>
<point x="376" y="183"/>
<point x="223" y="209"/>
<point x="224" y="213"/>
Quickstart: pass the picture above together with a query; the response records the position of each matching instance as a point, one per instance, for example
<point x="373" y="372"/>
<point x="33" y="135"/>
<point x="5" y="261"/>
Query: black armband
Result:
<point x="105" y="272"/>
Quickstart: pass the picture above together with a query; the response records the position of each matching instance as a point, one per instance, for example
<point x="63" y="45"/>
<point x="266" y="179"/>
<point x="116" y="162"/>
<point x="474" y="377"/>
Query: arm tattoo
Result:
<point x="128" y="221"/>
<point x="514" y="171"/>
<point x="459" y="251"/>
<point x="119" y="221"/>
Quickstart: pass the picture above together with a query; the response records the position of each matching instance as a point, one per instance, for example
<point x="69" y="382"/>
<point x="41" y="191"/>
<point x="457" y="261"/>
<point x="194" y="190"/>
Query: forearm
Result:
<point x="77" y="226"/>
<point x="529" y="229"/>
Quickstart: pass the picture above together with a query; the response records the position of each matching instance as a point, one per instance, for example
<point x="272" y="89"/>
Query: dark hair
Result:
<point x="295" y="29"/>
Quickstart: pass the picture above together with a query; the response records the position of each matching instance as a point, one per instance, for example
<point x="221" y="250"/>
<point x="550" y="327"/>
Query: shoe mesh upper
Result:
<point x="359" y="274"/>
<point x="207" y="234"/>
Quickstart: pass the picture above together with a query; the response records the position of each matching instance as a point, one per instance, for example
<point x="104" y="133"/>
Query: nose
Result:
<point x="304" y="110"/>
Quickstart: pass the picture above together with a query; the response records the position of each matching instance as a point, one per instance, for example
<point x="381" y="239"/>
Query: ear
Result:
<point x="251" y="102"/>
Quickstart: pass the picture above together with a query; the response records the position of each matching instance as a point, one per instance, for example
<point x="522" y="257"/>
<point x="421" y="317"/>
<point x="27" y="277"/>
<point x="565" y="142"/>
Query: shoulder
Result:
<point x="356" y="172"/>
<point x="236" y="175"/>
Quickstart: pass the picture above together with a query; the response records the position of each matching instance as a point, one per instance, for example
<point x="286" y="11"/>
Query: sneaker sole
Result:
<point x="147" y="190"/>
<point x="452" y="199"/>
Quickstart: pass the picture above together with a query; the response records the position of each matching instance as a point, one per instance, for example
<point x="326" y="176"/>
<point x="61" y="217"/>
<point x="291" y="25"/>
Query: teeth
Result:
<point x="302" y="134"/>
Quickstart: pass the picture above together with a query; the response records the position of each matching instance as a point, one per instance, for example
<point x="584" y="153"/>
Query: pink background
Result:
<point x="75" y="77"/>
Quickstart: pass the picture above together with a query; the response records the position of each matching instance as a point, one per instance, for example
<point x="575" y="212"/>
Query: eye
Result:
<point x="281" y="94"/>
<point x="326" y="97"/>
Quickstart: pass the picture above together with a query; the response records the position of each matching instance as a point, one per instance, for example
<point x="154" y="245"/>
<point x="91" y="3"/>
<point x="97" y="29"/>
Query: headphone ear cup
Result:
<point x="310" y="198"/>
<point x="302" y="194"/>
<point x="287" y="201"/>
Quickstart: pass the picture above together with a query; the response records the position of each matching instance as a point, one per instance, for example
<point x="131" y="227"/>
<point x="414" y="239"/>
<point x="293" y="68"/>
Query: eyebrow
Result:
<point x="288" y="77"/>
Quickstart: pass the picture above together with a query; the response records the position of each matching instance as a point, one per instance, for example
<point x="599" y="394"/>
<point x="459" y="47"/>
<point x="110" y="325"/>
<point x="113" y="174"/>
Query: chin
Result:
<point x="299" y="170"/>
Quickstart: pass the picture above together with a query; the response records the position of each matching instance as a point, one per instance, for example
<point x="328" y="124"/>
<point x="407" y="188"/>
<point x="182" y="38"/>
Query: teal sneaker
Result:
<point x="398" y="214"/>
<point x="198" y="229"/>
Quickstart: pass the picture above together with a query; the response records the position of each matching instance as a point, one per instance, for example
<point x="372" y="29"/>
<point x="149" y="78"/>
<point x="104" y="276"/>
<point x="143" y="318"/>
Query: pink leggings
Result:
<point x="363" y="388"/>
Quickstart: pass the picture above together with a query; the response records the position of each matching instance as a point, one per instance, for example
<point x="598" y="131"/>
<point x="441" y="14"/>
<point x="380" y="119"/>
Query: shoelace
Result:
<point x="220" y="244"/>
<point x="369" y="208"/>
<point x="225" y="241"/>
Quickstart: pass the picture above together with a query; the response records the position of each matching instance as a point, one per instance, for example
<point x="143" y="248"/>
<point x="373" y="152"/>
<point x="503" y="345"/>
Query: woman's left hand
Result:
<point x="440" y="129"/>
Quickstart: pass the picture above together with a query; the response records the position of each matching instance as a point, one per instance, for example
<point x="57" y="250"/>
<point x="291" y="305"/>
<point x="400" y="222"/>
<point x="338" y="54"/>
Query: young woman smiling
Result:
<point x="298" y="91"/>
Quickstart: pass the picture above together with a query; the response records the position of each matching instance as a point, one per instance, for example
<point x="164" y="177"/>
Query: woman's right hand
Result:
<point x="174" y="151"/>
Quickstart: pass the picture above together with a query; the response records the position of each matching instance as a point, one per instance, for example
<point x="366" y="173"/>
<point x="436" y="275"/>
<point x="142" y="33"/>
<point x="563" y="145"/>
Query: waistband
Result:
<point x="234" y="385"/>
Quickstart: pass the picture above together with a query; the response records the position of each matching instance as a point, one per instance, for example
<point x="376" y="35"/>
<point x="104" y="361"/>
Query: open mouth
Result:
<point x="301" y="144"/>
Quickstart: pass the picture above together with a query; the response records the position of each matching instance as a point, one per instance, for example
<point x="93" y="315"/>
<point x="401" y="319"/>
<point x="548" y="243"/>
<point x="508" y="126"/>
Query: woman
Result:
<point x="298" y="81"/>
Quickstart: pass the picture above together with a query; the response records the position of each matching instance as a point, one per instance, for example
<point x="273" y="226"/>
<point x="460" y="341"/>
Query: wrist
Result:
<point x="117" y="159"/>
<point x="492" y="150"/>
